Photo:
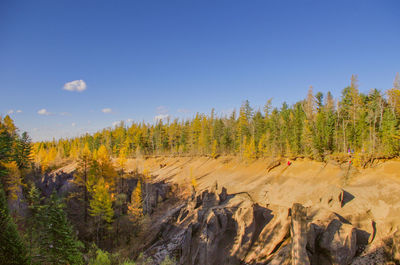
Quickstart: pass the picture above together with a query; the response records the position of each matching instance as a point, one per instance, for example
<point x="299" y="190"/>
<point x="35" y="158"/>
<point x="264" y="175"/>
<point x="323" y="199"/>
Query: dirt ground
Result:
<point x="371" y="199"/>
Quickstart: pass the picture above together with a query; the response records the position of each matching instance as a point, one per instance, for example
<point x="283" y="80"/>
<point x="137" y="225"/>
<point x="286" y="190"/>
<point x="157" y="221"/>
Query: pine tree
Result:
<point x="245" y="114"/>
<point x="308" y="127"/>
<point x="263" y="146"/>
<point x="6" y="143"/>
<point x="62" y="245"/>
<point x="35" y="222"/>
<point x="51" y="237"/>
<point x="389" y="130"/>
<point x="22" y="152"/>
<point x="81" y="178"/>
<point x="12" y="249"/>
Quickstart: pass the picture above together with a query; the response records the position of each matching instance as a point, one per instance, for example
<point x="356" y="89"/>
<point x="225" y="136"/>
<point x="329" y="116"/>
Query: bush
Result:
<point x="168" y="261"/>
<point x="102" y="258"/>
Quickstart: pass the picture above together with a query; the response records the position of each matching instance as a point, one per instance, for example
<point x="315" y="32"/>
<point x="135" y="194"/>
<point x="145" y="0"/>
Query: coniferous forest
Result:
<point x="39" y="228"/>
<point x="316" y="127"/>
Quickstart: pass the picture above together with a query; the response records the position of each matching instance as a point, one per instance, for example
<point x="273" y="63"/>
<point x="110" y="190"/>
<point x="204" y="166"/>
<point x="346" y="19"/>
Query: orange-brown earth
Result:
<point x="366" y="199"/>
<point x="269" y="212"/>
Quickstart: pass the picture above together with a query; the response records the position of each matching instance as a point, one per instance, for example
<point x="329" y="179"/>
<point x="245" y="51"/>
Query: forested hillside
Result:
<point x="315" y="127"/>
<point x="68" y="218"/>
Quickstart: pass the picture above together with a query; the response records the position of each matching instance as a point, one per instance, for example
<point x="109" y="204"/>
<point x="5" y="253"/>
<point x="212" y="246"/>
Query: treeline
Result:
<point x="314" y="127"/>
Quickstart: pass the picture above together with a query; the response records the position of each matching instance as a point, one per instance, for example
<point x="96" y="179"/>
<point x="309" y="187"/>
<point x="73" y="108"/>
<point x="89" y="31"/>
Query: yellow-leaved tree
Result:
<point x="250" y="152"/>
<point x="101" y="205"/>
<point x="122" y="158"/>
<point x="135" y="207"/>
<point x="193" y="181"/>
<point x="214" y="149"/>
<point x="13" y="179"/>
<point x="105" y="168"/>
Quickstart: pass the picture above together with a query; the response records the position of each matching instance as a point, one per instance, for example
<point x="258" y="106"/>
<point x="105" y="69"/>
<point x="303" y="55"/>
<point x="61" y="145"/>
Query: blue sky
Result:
<point x="140" y="59"/>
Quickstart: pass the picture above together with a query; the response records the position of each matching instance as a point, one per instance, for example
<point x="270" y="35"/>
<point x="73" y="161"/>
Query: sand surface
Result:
<point x="373" y="194"/>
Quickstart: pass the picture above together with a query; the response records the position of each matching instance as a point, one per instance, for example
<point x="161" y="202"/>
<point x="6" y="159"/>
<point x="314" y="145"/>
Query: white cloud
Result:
<point x="106" y="110"/>
<point x="76" y="85"/>
<point x="73" y="124"/>
<point x="65" y="114"/>
<point x="162" y="113"/>
<point x="117" y="123"/>
<point x="11" y="111"/>
<point x="162" y="110"/>
<point x="161" y="117"/>
<point x="43" y="112"/>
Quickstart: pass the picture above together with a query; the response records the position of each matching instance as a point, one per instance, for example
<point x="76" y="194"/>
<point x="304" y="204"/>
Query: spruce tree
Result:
<point x="51" y="237"/>
<point x="389" y="130"/>
<point x="12" y="249"/>
<point x="63" y="247"/>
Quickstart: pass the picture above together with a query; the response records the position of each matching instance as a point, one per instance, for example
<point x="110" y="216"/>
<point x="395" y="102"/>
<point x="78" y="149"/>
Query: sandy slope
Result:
<point x="372" y="203"/>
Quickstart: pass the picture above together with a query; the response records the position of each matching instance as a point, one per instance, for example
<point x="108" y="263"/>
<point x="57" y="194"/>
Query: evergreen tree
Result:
<point x="310" y="127"/>
<point x="62" y="245"/>
<point x="389" y="130"/>
<point x="51" y="237"/>
<point x="12" y="249"/>
<point x="6" y="142"/>
<point x="81" y="178"/>
<point x="22" y="152"/>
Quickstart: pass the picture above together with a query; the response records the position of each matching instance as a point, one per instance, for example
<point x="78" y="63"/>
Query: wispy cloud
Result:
<point x="11" y="111"/>
<point x="106" y="110"/>
<point x="65" y="114"/>
<point x="76" y="85"/>
<point x="73" y="124"/>
<point x="161" y="117"/>
<point x="115" y="123"/>
<point x="184" y="111"/>
<point x="127" y="121"/>
<point x="162" y="110"/>
<point x="162" y="113"/>
<point x="43" y="112"/>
